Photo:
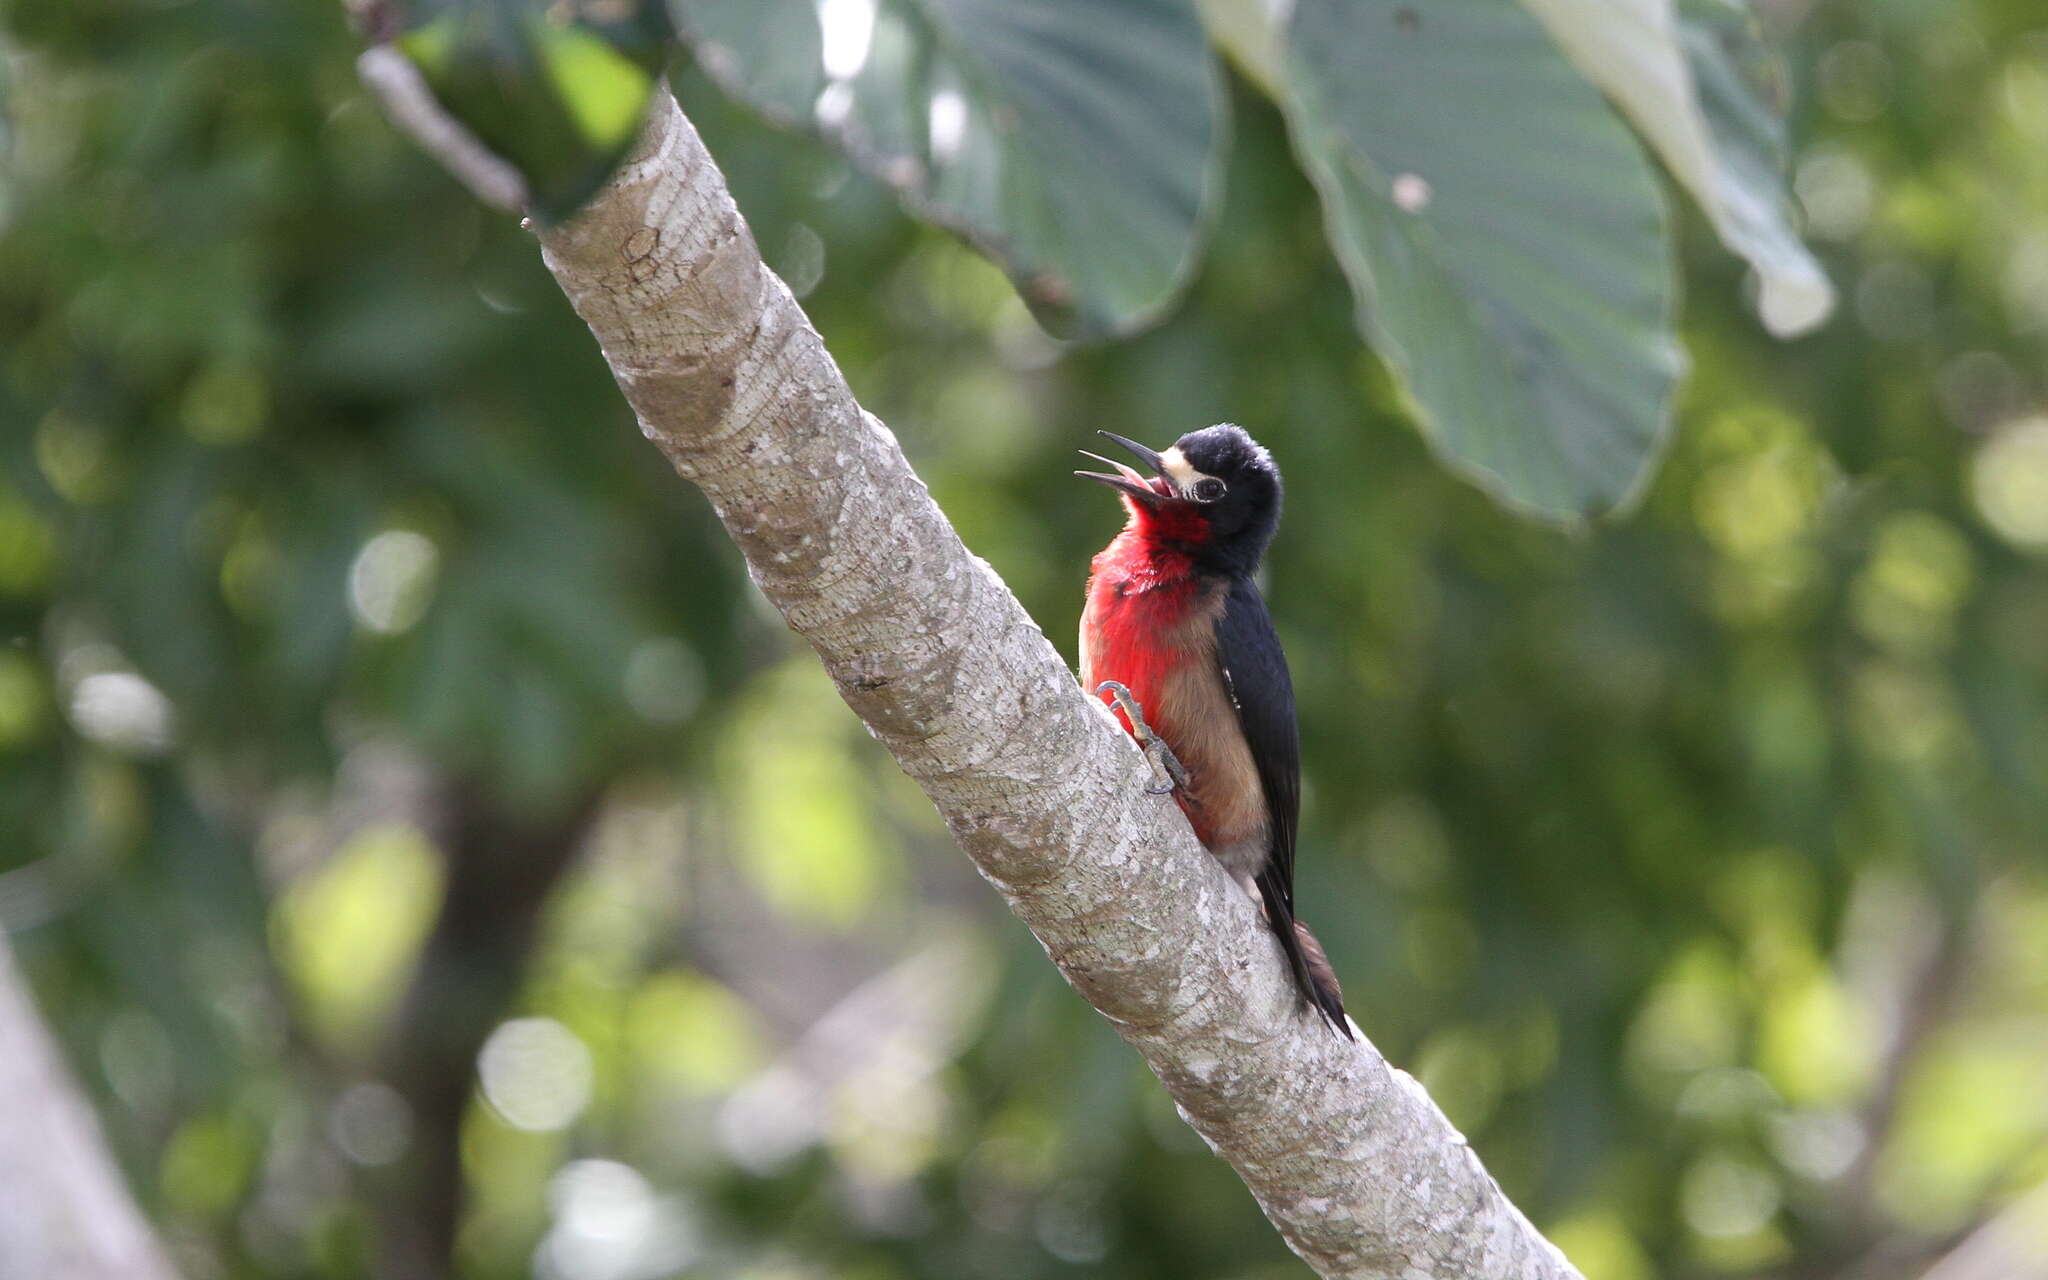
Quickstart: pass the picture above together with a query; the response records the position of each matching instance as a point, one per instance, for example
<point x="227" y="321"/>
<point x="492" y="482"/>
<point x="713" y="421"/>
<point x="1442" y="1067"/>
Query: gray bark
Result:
<point x="64" y="1211"/>
<point x="1347" y="1155"/>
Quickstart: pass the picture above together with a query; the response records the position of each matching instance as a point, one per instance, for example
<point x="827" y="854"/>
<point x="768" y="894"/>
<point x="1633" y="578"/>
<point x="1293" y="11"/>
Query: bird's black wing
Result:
<point x="1255" y="674"/>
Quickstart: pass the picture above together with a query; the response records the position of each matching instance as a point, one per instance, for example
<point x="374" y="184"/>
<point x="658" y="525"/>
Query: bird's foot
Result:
<point x="1167" y="771"/>
<point x="1166" y="767"/>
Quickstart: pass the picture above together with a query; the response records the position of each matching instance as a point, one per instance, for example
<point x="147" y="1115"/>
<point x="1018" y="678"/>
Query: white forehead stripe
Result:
<point x="1179" y="470"/>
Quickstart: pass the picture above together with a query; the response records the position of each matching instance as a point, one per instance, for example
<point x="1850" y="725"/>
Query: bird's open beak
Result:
<point x="1152" y="492"/>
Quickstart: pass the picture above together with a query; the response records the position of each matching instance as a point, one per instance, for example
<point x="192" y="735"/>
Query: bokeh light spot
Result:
<point x="391" y="580"/>
<point x="1919" y="575"/>
<point x="75" y="457"/>
<point x="2009" y="483"/>
<point x="224" y="405"/>
<point x="847" y="28"/>
<point x="948" y="123"/>
<point x="610" y="1225"/>
<point x="1837" y="193"/>
<point x="121" y="710"/>
<point x="23" y="703"/>
<point x="348" y="932"/>
<point x="801" y="260"/>
<point x="1724" y="1196"/>
<point x="1461" y="1069"/>
<point x="536" y="1074"/>
<point x="28" y="549"/>
<point x="664" y="680"/>
<point x="371" y="1123"/>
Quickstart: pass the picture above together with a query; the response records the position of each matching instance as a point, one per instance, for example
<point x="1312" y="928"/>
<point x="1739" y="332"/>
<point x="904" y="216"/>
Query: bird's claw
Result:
<point x="1168" y="772"/>
<point x="1165" y="762"/>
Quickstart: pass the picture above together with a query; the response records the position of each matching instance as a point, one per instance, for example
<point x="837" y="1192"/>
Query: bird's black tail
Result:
<point x="1311" y="965"/>
<point x="1322" y="989"/>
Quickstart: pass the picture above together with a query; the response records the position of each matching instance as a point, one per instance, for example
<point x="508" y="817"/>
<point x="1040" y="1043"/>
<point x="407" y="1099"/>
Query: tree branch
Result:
<point x="409" y="104"/>
<point x="2008" y="1247"/>
<point x="1349" y="1158"/>
<point x="64" y="1210"/>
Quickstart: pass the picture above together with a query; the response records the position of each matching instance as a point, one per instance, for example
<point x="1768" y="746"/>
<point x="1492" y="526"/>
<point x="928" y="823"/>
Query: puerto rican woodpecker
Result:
<point x="1175" y="637"/>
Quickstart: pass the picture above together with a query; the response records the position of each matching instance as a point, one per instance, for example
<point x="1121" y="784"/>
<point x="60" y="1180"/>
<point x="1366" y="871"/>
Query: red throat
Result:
<point x="1169" y="524"/>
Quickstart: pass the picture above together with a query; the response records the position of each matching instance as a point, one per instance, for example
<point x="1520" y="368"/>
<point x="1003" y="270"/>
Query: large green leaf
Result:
<point x="1697" y="79"/>
<point x="1505" y="236"/>
<point x="1077" y="141"/>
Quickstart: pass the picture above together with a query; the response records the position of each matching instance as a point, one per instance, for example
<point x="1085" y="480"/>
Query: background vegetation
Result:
<point x="426" y="845"/>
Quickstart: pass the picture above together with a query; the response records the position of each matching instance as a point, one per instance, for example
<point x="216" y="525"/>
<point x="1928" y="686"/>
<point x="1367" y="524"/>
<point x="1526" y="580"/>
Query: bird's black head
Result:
<point x="1214" y="494"/>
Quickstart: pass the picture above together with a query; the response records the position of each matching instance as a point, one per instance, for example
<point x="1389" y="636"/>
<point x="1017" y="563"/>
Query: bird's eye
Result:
<point x="1209" y="488"/>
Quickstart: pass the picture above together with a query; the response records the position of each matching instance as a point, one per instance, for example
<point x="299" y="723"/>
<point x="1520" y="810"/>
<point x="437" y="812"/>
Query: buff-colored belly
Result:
<point x="1172" y="671"/>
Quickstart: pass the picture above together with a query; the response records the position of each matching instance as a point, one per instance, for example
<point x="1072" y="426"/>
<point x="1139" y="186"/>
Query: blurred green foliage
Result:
<point x="1694" y="862"/>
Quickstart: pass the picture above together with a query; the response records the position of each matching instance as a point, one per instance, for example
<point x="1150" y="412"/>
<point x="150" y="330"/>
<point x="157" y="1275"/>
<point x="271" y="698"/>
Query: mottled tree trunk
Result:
<point x="502" y="869"/>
